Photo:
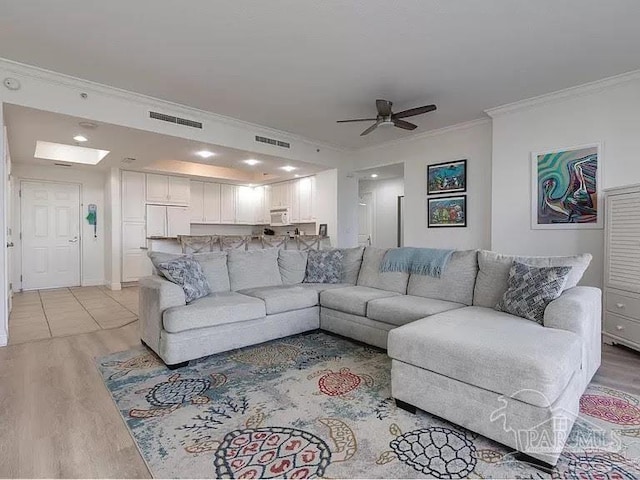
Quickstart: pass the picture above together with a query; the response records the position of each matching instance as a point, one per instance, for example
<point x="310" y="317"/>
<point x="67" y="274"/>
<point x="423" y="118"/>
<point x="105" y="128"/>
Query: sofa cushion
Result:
<point x="214" y="267"/>
<point x="491" y="350"/>
<point x="293" y="266"/>
<point x="215" y="309"/>
<point x="370" y="275"/>
<point x="493" y="273"/>
<point x="257" y="268"/>
<point x="531" y="289"/>
<point x="456" y="282"/>
<point x="186" y="272"/>
<point x="351" y="263"/>
<point x="284" y="298"/>
<point x="352" y="299"/>
<point x="406" y="308"/>
<point x="324" y="266"/>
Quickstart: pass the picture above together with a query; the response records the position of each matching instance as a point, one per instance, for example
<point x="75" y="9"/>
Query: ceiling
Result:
<point x="300" y="65"/>
<point x="386" y="172"/>
<point x="151" y="151"/>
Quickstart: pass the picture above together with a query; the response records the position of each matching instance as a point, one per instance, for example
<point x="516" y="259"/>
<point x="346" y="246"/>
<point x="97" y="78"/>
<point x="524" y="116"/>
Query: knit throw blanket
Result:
<point x="421" y="261"/>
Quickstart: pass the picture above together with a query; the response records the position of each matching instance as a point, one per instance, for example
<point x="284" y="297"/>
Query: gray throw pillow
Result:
<point x="186" y="272"/>
<point x="324" y="266"/>
<point x="531" y="289"/>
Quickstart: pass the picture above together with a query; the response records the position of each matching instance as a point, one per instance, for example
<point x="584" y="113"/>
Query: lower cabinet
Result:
<point x="135" y="263"/>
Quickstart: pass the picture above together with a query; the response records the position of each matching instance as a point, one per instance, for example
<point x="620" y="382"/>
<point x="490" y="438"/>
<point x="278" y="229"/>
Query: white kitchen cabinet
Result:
<point x="178" y="190"/>
<point x="167" y="190"/>
<point x="260" y="211"/>
<point x="133" y="201"/>
<point x="281" y="195"/>
<point x="196" y="202"/>
<point x="244" y="205"/>
<point x="227" y="203"/>
<point x="294" y="192"/>
<point x="305" y="191"/>
<point x="211" y="202"/>
<point x="178" y="221"/>
<point x="156" y="221"/>
<point x="135" y="263"/>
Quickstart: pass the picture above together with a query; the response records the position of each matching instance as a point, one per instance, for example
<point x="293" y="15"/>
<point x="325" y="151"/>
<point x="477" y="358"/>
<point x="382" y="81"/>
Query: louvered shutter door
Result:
<point x="623" y="238"/>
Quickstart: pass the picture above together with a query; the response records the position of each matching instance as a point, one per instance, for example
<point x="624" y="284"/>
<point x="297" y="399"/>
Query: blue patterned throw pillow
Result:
<point x="324" y="266"/>
<point x="531" y="289"/>
<point x="186" y="272"/>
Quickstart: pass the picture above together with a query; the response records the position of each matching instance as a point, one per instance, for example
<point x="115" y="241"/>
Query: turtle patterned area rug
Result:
<point x="316" y="405"/>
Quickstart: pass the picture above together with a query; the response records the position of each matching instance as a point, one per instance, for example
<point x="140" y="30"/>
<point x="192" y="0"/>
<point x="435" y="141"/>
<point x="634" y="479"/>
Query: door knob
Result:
<point x="619" y="327"/>
<point x="75" y="239"/>
<point x="9" y="244"/>
<point x="619" y="305"/>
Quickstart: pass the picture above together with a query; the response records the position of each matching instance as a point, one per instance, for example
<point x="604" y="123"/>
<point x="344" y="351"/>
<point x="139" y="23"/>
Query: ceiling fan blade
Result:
<point x="370" y="129"/>
<point x="384" y="107"/>
<point x="402" y="124"/>
<point x="415" y="111"/>
<point x="358" y="120"/>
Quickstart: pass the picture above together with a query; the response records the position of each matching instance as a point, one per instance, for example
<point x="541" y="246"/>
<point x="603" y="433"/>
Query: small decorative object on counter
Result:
<point x="322" y="231"/>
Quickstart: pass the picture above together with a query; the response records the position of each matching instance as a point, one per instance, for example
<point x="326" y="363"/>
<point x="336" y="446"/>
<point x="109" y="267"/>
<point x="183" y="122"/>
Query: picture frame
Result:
<point x="447" y="177"/>
<point x="447" y="212"/>
<point x="566" y="188"/>
<point x="322" y="230"/>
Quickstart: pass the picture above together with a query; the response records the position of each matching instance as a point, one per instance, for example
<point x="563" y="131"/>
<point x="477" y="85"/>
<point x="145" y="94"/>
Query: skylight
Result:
<point x="69" y="153"/>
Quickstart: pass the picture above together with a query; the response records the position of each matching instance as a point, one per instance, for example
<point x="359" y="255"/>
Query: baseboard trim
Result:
<point x="114" y="286"/>
<point x="92" y="283"/>
<point x="4" y="340"/>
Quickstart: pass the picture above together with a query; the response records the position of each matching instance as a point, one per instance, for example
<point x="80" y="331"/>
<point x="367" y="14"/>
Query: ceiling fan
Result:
<point x="386" y="118"/>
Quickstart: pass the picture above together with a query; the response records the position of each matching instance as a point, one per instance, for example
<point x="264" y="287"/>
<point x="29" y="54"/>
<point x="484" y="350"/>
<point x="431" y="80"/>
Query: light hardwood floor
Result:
<point x="58" y="420"/>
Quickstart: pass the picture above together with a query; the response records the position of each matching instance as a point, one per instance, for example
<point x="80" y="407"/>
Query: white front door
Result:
<point x="50" y="221"/>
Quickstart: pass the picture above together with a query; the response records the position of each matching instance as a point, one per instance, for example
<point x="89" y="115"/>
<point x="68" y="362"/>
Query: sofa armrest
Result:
<point x="156" y="295"/>
<point x="579" y="310"/>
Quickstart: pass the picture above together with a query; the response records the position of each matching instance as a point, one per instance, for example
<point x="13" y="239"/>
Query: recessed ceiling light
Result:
<point x="252" y="162"/>
<point x="374" y="175"/>
<point x="296" y="175"/>
<point x="68" y="153"/>
<point x="80" y="138"/>
<point x="288" y="168"/>
<point x="251" y="185"/>
<point x="205" y="153"/>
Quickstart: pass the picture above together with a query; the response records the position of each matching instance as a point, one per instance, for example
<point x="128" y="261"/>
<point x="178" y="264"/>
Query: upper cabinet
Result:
<point x="298" y="195"/>
<point x="133" y="201"/>
<point x="306" y="193"/>
<point x="167" y="190"/>
<point x="245" y="205"/>
<point x="204" y="204"/>
<point x="281" y="195"/>
<point x="227" y="203"/>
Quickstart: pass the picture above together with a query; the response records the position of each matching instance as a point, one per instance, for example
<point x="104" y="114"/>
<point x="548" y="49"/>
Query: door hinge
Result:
<point x="20" y="235"/>
<point x="20" y="277"/>
<point x="20" y="193"/>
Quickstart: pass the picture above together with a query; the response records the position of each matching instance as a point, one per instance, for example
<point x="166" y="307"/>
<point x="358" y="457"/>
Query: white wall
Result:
<point x="610" y="115"/>
<point x="326" y="206"/>
<point x="4" y="269"/>
<point x="92" y="185"/>
<point x="385" y="209"/>
<point x="471" y="141"/>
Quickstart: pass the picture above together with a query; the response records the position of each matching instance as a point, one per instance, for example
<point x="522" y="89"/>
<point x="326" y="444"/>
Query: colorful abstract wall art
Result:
<point x="565" y="188"/>
<point x="447" y="177"/>
<point x="447" y="211"/>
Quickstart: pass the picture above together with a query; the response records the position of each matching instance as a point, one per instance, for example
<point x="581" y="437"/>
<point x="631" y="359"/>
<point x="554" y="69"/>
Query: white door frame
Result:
<point x="80" y="225"/>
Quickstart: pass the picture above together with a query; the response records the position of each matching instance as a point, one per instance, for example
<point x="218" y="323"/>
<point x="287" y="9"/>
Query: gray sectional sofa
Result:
<point x="453" y="354"/>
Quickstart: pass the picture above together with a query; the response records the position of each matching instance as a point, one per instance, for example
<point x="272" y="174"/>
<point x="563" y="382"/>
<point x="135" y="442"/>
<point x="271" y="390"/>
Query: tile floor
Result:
<point x="69" y="311"/>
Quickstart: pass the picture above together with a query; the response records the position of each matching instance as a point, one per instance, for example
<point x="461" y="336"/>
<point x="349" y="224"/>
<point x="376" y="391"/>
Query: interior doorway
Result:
<point x="380" y="218"/>
<point x="49" y="235"/>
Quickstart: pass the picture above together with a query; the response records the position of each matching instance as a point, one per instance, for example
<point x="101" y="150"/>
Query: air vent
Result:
<point x="177" y="120"/>
<point x="272" y="141"/>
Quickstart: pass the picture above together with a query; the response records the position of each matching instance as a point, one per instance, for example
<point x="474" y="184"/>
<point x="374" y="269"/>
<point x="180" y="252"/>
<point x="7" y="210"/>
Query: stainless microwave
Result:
<point x="279" y="217"/>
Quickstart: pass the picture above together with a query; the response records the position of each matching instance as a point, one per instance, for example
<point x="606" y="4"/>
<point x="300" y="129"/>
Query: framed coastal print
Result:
<point x="449" y="177"/>
<point x="565" y="188"/>
<point x="447" y="211"/>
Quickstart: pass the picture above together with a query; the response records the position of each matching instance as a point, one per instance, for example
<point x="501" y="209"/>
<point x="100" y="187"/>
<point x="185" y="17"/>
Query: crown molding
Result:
<point x="427" y="134"/>
<point x="68" y="81"/>
<point x="565" y="94"/>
